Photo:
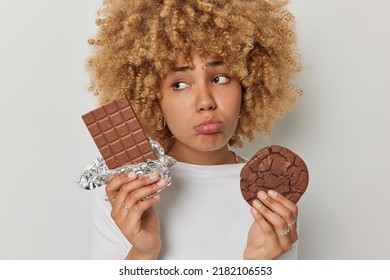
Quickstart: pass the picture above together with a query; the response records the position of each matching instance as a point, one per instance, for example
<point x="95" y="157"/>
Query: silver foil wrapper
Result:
<point x="97" y="173"/>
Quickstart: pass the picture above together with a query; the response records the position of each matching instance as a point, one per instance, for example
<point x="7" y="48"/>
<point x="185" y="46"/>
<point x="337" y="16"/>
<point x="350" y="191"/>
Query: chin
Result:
<point x="212" y="143"/>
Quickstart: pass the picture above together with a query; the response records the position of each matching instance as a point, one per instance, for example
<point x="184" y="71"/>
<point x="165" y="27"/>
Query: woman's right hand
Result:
<point x="136" y="216"/>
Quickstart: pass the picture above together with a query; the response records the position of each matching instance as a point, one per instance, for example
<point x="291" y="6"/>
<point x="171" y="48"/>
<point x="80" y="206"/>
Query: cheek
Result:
<point x="232" y="104"/>
<point x="236" y="95"/>
<point x="174" y="111"/>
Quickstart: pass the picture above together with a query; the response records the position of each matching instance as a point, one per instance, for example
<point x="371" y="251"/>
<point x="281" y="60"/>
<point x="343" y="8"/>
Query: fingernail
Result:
<point x="161" y="183"/>
<point x="153" y="176"/>
<point x="132" y="175"/>
<point x="257" y="203"/>
<point x="262" y="195"/>
<point x="272" y="193"/>
<point x="254" y="211"/>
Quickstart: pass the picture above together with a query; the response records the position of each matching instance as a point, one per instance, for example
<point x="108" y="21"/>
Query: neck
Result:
<point x="216" y="157"/>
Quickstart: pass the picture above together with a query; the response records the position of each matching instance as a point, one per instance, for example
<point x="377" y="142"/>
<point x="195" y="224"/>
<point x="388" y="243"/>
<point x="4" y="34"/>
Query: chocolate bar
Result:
<point x="118" y="134"/>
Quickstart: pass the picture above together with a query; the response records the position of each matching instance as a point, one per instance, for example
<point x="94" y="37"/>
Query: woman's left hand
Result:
<point x="274" y="230"/>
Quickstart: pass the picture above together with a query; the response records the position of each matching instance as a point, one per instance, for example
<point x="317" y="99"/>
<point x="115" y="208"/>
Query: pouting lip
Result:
<point x="209" y="127"/>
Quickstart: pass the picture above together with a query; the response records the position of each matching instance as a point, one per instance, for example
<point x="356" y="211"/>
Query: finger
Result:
<point x="133" y="221"/>
<point x="290" y="215"/>
<point x="141" y="194"/>
<point x="278" y="204"/>
<point x="278" y="224"/>
<point x="113" y="186"/>
<point x="284" y="201"/>
<point x="129" y="187"/>
<point x="294" y="233"/>
<point x="271" y="241"/>
<point x="122" y="209"/>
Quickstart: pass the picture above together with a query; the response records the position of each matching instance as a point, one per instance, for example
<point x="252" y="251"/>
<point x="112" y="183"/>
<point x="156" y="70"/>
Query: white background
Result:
<point x="339" y="126"/>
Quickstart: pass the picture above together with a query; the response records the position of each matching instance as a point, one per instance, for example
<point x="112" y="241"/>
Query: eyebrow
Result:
<point x="214" y="63"/>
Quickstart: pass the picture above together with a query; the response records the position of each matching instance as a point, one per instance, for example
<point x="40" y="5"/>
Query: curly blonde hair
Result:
<point x="138" y="42"/>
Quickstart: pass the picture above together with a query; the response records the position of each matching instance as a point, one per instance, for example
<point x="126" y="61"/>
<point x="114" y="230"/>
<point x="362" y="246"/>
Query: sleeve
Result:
<point x="106" y="240"/>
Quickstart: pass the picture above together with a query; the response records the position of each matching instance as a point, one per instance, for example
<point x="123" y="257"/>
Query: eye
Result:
<point x="179" y="85"/>
<point x="221" y="79"/>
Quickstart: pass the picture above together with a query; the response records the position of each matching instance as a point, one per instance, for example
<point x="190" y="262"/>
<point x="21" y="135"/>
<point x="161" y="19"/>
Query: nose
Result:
<point x="205" y="100"/>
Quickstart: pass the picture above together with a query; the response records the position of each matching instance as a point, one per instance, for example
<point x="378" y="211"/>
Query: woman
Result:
<point x="201" y="75"/>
